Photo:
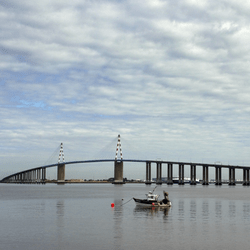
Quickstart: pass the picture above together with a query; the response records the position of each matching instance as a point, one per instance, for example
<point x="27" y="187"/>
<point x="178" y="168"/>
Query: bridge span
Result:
<point x="38" y="174"/>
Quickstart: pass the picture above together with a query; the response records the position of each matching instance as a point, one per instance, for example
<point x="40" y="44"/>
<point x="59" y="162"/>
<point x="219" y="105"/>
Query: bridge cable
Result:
<point x="53" y="156"/>
<point x="109" y="149"/>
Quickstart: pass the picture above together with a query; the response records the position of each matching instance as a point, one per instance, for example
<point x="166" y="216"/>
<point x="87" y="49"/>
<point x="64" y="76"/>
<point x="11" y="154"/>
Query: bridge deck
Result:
<point x="129" y="160"/>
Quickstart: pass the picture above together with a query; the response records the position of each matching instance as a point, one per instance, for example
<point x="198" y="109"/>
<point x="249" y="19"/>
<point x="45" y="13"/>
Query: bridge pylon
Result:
<point x="118" y="164"/>
<point x="61" y="166"/>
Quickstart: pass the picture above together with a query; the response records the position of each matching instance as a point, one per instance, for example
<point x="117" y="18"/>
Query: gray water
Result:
<point x="80" y="216"/>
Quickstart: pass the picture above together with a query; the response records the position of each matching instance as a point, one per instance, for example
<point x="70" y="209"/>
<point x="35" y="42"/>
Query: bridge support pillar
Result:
<point x="181" y="174"/>
<point x="218" y="176"/>
<point x="26" y="179"/>
<point x="205" y="176"/>
<point x="32" y="176"/>
<point x="246" y="181"/>
<point x="26" y="176"/>
<point x="38" y="175"/>
<point x="29" y="176"/>
<point x="170" y="174"/>
<point x="244" y="177"/>
<point x="148" y="173"/>
<point x="158" y="173"/>
<point x="61" y="172"/>
<point x="118" y="175"/>
<point x="231" y="176"/>
<point x="192" y="174"/>
<point x="43" y="175"/>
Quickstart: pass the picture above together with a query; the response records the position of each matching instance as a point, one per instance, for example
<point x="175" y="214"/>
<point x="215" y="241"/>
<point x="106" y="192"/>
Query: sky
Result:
<point x="171" y="77"/>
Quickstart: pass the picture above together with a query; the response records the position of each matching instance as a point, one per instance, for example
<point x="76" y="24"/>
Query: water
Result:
<point x="79" y="216"/>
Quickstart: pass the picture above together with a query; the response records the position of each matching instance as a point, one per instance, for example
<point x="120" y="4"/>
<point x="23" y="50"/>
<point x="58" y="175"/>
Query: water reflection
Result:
<point x="60" y="208"/>
<point x="118" y="222"/>
<point x="190" y="219"/>
<point x="246" y="212"/>
<point x="60" y="222"/>
<point x="232" y="209"/>
<point x="218" y="210"/>
<point x="181" y="210"/>
<point x="140" y="211"/>
<point x="205" y="210"/>
<point x="193" y="210"/>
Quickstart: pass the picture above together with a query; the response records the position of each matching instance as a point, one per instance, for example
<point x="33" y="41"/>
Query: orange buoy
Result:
<point x="112" y="204"/>
<point x="153" y="204"/>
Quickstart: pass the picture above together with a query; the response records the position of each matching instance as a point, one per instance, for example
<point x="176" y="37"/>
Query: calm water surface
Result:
<point x="79" y="216"/>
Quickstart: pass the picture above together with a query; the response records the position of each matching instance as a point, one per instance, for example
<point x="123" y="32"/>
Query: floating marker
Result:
<point x="112" y="204"/>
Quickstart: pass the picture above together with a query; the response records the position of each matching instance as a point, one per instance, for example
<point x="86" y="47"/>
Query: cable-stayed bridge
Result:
<point x="38" y="174"/>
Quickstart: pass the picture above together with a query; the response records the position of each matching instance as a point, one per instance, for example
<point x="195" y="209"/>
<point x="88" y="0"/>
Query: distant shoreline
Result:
<point x="87" y="181"/>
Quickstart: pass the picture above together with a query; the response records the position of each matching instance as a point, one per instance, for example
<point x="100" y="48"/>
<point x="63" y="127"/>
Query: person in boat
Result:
<point x="166" y="199"/>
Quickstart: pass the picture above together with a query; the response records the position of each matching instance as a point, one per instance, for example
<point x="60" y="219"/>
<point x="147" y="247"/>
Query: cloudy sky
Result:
<point x="172" y="77"/>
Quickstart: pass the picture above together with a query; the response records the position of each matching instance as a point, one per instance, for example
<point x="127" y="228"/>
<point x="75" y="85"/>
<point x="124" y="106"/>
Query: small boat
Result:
<point x="152" y="200"/>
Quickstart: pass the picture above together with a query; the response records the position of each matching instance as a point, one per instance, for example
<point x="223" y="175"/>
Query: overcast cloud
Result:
<point x="172" y="77"/>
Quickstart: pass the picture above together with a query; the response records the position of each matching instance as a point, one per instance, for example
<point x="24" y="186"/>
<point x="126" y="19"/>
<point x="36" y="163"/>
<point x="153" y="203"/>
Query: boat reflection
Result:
<point x="151" y="211"/>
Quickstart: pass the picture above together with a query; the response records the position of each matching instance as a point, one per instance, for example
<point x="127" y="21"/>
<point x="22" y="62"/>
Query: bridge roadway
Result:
<point x="38" y="174"/>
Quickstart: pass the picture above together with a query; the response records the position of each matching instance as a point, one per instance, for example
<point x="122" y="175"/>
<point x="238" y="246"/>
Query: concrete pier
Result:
<point x="231" y="176"/>
<point x="43" y="175"/>
<point x="170" y="174"/>
<point x="29" y="177"/>
<point x="148" y="173"/>
<point x="192" y="174"/>
<point x="181" y="174"/>
<point x="61" y="172"/>
<point x="218" y="176"/>
<point x="246" y="181"/>
<point x="118" y="172"/>
<point x="39" y="175"/>
<point x="205" y="176"/>
<point x="158" y="173"/>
